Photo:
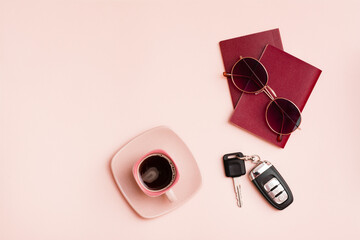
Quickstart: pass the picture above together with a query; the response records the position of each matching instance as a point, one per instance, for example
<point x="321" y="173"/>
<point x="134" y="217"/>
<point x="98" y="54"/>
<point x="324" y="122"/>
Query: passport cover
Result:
<point x="290" y="78"/>
<point x="247" y="46"/>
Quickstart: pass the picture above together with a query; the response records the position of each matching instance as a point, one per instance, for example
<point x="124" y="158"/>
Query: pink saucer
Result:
<point x="156" y="138"/>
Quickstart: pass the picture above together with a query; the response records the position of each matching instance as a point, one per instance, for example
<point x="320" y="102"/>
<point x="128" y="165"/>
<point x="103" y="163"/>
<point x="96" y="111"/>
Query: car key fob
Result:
<point x="271" y="185"/>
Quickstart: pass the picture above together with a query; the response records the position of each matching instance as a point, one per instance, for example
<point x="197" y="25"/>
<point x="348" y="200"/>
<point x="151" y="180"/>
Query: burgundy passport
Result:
<point x="247" y="46"/>
<point x="290" y="78"/>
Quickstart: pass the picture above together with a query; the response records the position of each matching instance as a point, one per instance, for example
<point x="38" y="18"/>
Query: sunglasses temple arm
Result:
<point x="279" y="137"/>
<point x="243" y="76"/>
<point x="235" y="75"/>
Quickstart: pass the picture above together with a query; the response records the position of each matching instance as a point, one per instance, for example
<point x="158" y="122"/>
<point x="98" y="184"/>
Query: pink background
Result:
<point x="78" y="79"/>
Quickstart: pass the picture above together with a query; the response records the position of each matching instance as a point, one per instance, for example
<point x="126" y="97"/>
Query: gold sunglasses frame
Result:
<point x="268" y="91"/>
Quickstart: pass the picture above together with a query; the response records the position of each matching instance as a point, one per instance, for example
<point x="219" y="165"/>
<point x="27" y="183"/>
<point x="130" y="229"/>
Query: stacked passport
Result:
<point x="289" y="77"/>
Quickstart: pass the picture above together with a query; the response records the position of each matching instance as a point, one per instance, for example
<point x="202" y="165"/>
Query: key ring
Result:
<point x="255" y="159"/>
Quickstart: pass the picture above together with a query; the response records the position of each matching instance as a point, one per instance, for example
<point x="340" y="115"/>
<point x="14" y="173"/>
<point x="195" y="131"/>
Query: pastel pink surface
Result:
<point x="135" y="172"/>
<point x="78" y="79"/>
<point x="122" y="166"/>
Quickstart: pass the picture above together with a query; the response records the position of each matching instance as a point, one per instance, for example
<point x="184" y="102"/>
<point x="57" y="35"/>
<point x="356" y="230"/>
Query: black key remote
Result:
<point x="271" y="185"/>
<point x="235" y="168"/>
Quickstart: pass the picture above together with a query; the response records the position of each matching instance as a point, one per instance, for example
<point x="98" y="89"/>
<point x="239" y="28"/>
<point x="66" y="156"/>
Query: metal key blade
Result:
<point x="237" y="189"/>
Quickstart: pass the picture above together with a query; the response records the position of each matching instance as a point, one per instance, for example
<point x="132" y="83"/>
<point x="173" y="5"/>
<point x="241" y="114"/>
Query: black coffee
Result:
<point x="156" y="172"/>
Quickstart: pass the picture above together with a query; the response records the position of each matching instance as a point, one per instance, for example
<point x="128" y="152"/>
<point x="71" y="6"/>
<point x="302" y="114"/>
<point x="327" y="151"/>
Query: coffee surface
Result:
<point x="156" y="172"/>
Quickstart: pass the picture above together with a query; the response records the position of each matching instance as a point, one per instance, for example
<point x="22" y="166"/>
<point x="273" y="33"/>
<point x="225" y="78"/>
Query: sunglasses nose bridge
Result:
<point x="269" y="92"/>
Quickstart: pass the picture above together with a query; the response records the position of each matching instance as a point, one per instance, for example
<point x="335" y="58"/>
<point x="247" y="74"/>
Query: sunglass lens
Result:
<point x="249" y="75"/>
<point x="283" y="116"/>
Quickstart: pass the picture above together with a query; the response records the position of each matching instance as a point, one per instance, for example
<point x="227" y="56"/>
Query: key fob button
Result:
<point x="281" y="198"/>
<point x="271" y="184"/>
<point x="276" y="191"/>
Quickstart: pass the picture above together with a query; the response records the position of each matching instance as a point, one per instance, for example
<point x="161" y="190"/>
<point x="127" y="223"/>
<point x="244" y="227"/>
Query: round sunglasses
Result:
<point x="250" y="76"/>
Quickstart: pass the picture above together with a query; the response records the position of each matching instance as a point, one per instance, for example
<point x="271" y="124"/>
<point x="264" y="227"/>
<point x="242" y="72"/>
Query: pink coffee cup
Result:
<point x="156" y="173"/>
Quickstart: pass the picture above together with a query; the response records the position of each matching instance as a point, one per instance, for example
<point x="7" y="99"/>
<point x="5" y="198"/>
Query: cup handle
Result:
<point x="171" y="195"/>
